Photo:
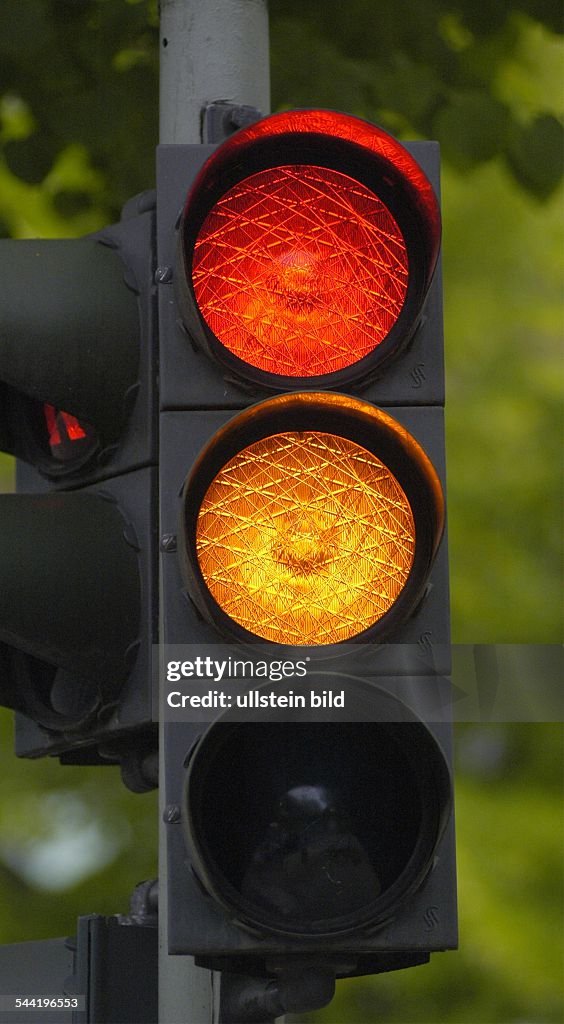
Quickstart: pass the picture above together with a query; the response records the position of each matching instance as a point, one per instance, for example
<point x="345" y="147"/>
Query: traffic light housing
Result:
<point x="302" y="510"/>
<point x="78" y="609"/>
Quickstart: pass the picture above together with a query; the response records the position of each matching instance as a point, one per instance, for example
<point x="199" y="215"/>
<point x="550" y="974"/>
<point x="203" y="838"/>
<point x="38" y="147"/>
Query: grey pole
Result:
<point x="210" y="50"/>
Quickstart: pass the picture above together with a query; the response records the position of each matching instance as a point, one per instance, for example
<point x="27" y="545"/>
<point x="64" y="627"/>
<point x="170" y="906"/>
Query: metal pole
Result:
<point x="210" y="50"/>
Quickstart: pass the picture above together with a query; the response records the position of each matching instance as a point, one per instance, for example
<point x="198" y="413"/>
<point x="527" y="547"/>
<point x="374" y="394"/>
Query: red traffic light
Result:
<point x="69" y="439"/>
<point x="307" y="245"/>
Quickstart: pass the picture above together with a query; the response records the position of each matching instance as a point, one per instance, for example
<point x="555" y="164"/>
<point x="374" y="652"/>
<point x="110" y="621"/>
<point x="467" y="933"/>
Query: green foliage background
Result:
<point x="78" y="125"/>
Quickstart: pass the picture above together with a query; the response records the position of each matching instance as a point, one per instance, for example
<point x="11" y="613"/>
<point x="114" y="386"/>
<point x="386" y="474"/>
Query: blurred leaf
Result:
<point x="408" y="88"/>
<point x="550" y="12"/>
<point x="529" y="78"/>
<point x="300" y="70"/>
<point x="30" y="159"/>
<point x="16" y="118"/>
<point x="503" y="321"/>
<point x="30" y="794"/>
<point x="31" y="30"/>
<point x="472" y="128"/>
<point x="535" y="154"/>
<point x="6" y="472"/>
<point x="68" y="203"/>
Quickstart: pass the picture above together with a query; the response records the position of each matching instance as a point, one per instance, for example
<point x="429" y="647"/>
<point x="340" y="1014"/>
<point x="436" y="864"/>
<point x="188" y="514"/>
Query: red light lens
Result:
<point x="67" y="436"/>
<point x="300" y="270"/>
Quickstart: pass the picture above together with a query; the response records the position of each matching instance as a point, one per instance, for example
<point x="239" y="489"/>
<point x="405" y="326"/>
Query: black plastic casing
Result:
<point x="88" y="346"/>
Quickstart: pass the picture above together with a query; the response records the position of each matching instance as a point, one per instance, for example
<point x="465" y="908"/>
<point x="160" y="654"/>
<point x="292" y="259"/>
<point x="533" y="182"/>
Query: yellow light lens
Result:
<point x="305" y="538"/>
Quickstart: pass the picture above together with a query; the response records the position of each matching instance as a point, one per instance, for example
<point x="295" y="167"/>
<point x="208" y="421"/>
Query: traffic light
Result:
<point x="302" y="509"/>
<point x="78" y="603"/>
